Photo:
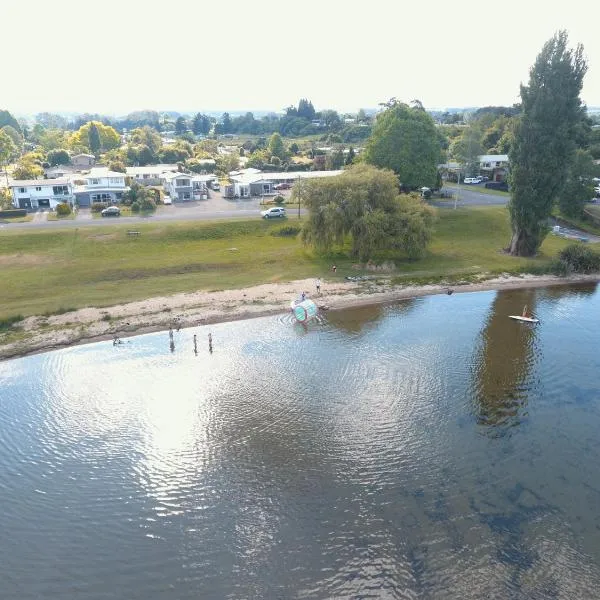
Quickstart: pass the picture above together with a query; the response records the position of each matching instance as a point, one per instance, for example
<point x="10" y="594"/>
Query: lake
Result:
<point x="432" y="448"/>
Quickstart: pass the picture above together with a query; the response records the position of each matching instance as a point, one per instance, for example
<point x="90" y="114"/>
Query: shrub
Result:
<point x="147" y="204"/>
<point x="287" y="231"/>
<point x="135" y="207"/>
<point x="580" y="259"/>
<point x="63" y="209"/>
<point x="279" y="199"/>
<point x="99" y="206"/>
<point x="10" y="321"/>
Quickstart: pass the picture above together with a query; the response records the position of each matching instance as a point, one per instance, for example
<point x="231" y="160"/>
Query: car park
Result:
<point x="111" y="211"/>
<point x="282" y="186"/>
<point x="273" y="213"/>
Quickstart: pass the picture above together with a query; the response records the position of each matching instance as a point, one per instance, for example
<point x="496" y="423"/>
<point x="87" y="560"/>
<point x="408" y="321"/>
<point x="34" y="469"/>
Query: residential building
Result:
<point x="83" y="161"/>
<point x="494" y="166"/>
<point x="59" y="171"/>
<point x="178" y="186"/>
<point x="253" y="182"/>
<point x="41" y="193"/>
<point x="101" y="185"/>
<point x="150" y="174"/>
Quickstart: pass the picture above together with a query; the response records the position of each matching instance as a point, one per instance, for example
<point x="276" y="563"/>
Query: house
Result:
<point x="253" y="182"/>
<point x="59" y="171"/>
<point x="101" y="185"/>
<point x="150" y="174"/>
<point x="178" y="186"/>
<point x="41" y="193"/>
<point x="83" y="161"/>
<point x="494" y="166"/>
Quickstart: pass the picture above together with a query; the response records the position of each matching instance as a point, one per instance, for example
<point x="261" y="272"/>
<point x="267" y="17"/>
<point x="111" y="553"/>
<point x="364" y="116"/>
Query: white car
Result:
<point x="472" y="180"/>
<point x="272" y="213"/>
<point x="167" y="200"/>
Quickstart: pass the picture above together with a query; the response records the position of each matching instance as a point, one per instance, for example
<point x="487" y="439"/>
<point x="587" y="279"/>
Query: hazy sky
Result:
<point x="115" y="56"/>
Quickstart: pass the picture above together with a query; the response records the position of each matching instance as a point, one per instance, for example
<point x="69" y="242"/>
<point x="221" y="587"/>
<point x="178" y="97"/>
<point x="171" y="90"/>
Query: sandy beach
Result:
<point x="87" y="325"/>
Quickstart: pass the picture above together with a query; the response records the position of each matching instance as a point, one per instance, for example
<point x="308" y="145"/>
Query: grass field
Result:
<point x="476" y="188"/>
<point x="48" y="271"/>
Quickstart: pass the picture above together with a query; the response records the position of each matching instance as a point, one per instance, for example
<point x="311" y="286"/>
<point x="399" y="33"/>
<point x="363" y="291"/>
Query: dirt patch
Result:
<point x="24" y="260"/>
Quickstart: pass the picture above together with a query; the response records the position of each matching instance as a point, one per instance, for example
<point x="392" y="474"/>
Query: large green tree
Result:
<point x="545" y="140"/>
<point x="7" y="119"/>
<point x="58" y="157"/>
<point x="579" y="186"/>
<point x="404" y="139"/>
<point x="362" y="205"/>
<point x="276" y="147"/>
<point x="467" y="148"/>
<point x="201" y="124"/>
<point x="7" y="151"/>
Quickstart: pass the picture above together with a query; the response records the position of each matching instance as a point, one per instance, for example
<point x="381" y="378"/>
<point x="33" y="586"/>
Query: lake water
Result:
<point x="429" y="449"/>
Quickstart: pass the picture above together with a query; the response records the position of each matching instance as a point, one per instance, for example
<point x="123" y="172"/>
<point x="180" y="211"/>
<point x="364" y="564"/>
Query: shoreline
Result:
<point x="90" y="325"/>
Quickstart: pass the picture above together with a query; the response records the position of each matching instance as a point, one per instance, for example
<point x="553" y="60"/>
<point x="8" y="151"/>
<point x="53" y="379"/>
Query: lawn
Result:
<point x="45" y="271"/>
<point x="476" y="188"/>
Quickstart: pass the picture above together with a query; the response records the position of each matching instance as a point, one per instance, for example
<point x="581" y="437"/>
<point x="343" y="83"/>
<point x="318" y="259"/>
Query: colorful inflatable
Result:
<point x="304" y="310"/>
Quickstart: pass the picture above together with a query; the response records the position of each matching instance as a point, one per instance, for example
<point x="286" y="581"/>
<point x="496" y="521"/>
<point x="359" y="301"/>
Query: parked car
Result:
<point x="167" y="199"/>
<point x="111" y="211"/>
<point x="471" y="180"/>
<point x="215" y="185"/>
<point x="497" y="185"/>
<point x="282" y="186"/>
<point x="271" y="213"/>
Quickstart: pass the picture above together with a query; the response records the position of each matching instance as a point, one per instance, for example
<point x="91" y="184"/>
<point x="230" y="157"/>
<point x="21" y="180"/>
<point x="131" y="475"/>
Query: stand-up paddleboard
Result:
<point x="526" y="319"/>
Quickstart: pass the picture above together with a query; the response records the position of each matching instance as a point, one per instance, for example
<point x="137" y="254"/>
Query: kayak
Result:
<point x="526" y="319"/>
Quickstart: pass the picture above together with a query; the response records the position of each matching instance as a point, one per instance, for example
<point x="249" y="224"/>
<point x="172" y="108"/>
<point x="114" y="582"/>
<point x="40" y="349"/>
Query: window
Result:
<point x="183" y="182"/>
<point x="38" y="188"/>
<point x="101" y="198"/>
<point x="21" y="190"/>
<point x="95" y="181"/>
<point x="186" y="195"/>
<point x="60" y="190"/>
<point x="119" y="195"/>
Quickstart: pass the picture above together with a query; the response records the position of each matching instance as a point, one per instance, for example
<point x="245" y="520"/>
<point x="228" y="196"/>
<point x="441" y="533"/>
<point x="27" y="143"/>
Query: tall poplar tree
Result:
<point x="545" y="140"/>
<point x="94" y="138"/>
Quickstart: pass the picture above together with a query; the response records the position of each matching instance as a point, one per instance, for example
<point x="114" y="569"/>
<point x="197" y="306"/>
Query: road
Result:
<point x="216" y="207"/>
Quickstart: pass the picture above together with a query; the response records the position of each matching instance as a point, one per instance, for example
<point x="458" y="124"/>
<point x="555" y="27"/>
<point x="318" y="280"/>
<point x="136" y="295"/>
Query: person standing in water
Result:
<point x="318" y="286"/>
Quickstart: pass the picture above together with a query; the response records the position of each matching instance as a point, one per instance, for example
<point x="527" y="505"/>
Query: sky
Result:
<point x="116" y="56"/>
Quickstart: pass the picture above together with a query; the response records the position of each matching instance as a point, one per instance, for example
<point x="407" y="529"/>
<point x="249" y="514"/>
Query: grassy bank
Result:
<point x="49" y="271"/>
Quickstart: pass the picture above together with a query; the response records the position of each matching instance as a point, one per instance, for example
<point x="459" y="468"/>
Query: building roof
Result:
<point x="174" y="175"/>
<point x="38" y="182"/>
<point x="151" y="169"/>
<point x="493" y="158"/>
<point x="86" y="155"/>
<point x="98" y="172"/>
<point x="246" y="178"/>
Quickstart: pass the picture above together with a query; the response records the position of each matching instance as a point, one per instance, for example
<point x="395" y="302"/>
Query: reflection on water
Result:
<point x="342" y="460"/>
<point x="505" y="360"/>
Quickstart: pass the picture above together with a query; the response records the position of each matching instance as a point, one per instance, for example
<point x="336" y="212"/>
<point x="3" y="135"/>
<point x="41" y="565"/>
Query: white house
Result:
<point x="41" y="193"/>
<point x="178" y="186"/>
<point x="150" y="174"/>
<point x="495" y="166"/>
<point x="253" y="182"/>
<point x="101" y="185"/>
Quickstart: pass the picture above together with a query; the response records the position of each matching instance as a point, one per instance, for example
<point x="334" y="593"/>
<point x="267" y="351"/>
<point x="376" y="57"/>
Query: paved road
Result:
<point x="203" y="210"/>
<point x="471" y="196"/>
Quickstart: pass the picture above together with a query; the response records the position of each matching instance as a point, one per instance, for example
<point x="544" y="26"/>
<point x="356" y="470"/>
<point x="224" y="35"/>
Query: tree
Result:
<point x="180" y="126"/>
<point x="306" y="110"/>
<point x="544" y="142"/>
<point x="146" y="136"/>
<point x="227" y="163"/>
<point x="7" y="151"/>
<point x="294" y="148"/>
<point x="58" y="157"/>
<point x="7" y="119"/>
<point x="363" y="204"/>
<point x="405" y="140"/>
<point x="14" y="135"/>
<point x="579" y="187"/>
<point x="350" y="156"/>
<point x="201" y="124"/>
<point x="94" y="139"/>
<point x="276" y="147"/>
<point x="109" y="137"/>
<point x="28" y="167"/>
<point x="467" y="149"/>
<point x="331" y="119"/>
